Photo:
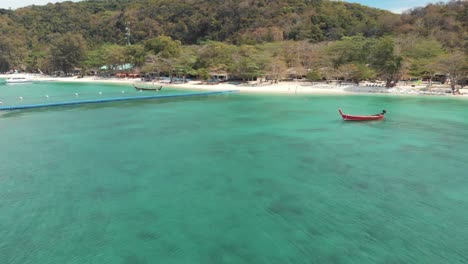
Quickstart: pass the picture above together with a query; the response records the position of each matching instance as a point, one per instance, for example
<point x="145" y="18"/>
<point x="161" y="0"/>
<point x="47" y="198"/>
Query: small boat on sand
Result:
<point x="149" y="88"/>
<point x="378" y="116"/>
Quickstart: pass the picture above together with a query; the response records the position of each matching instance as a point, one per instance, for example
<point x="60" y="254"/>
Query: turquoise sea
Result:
<point x="238" y="178"/>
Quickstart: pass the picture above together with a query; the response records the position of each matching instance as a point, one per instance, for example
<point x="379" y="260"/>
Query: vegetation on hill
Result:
<point x="316" y="38"/>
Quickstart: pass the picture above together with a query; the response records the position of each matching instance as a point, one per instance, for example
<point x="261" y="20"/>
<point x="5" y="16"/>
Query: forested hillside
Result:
<point x="192" y="21"/>
<point x="173" y="33"/>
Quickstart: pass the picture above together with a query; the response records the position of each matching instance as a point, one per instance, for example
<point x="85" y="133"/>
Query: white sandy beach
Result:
<point x="286" y="87"/>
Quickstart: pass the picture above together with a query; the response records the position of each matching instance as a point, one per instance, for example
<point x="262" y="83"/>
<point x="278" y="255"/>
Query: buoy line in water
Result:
<point x="60" y="96"/>
<point x="105" y="100"/>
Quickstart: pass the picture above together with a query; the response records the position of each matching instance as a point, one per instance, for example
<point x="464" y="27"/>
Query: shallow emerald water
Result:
<point x="51" y="92"/>
<point x="233" y="179"/>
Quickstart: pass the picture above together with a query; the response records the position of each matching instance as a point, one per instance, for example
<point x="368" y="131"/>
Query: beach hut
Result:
<point x="219" y="76"/>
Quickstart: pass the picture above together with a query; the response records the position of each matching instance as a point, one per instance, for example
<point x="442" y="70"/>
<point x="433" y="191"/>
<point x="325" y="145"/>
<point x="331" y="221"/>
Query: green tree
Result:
<point x="67" y="51"/>
<point x="244" y="63"/>
<point x="276" y="69"/>
<point x="184" y="64"/>
<point x="213" y="54"/>
<point x="313" y="76"/>
<point x="164" y="46"/>
<point x="356" y="72"/>
<point x="13" y="54"/>
<point x="36" y="60"/>
<point x="135" y="54"/>
<point x="203" y="73"/>
<point x="349" y="50"/>
<point x="422" y="55"/>
<point x="455" y="64"/>
<point x="114" y="55"/>
<point x="94" y="58"/>
<point x="385" y="60"/>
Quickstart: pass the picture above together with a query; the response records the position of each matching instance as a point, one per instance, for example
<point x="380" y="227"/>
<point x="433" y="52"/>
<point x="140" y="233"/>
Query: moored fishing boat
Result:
<point x="152" y="88"/>
<point x="362" y="117"/>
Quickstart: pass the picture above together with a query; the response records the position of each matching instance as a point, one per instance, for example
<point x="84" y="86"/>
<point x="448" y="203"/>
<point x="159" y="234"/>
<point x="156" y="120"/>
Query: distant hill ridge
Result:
<point x="235" y="21"/>
<point x="192" y="21"/>
<point x="67" y="35"/>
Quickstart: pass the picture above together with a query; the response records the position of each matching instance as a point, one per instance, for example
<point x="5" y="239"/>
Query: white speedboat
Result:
<point x="19" y="79"/>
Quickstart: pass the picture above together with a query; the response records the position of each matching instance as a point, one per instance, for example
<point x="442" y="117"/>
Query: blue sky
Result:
<point x="396" y="6"/>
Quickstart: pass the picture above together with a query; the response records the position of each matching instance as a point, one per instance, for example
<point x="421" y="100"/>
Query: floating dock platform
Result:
<point x="107" y="100"/>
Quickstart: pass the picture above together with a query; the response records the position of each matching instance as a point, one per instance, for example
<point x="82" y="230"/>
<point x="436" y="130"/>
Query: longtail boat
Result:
<point x="147" y="88"/>
<point x="362" y="118"/>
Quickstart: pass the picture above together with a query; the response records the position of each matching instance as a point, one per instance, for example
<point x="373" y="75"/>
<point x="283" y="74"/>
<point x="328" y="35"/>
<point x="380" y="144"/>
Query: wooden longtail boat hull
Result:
<point x="148" y="88"/>
<point x="360" y="118"/>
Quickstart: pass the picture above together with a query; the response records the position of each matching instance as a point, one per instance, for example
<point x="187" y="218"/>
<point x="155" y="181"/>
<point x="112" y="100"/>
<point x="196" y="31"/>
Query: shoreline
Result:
<point x="288" y="87"/>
